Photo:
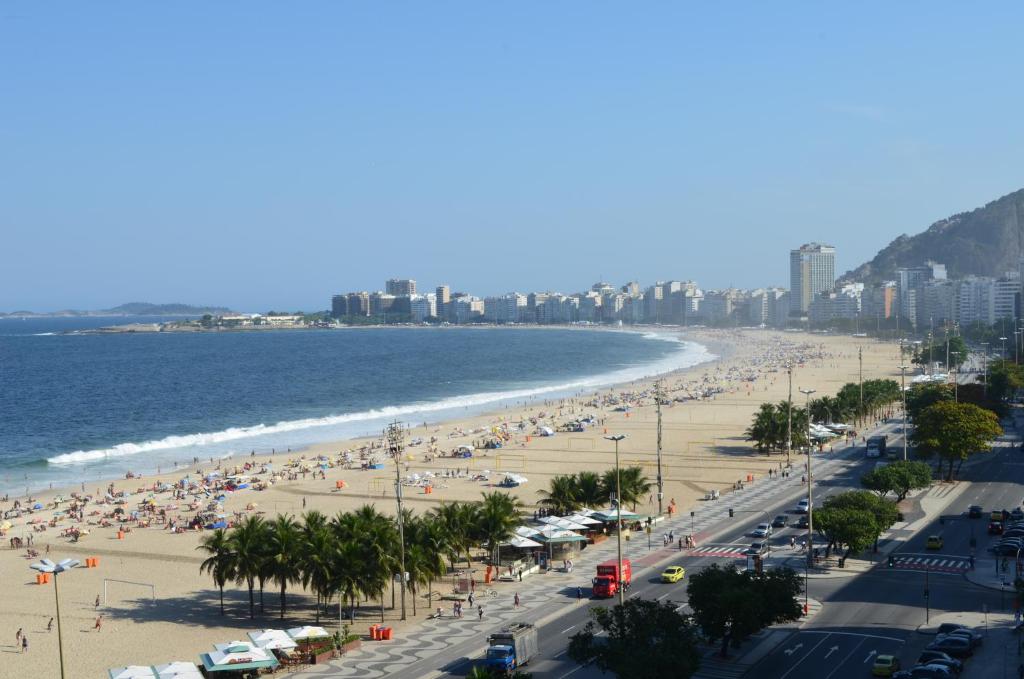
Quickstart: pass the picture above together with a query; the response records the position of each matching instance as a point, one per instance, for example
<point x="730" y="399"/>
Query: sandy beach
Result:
<point x="703" y="450"/>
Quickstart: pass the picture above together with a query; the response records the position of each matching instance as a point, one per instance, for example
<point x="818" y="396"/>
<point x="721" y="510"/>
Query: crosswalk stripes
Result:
<point x="933" y="563"/>
<point x="718" y="550"/>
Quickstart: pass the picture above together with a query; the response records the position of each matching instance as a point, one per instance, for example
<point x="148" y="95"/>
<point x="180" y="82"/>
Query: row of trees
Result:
<point x="898" y="478"/>
<point x="354" y="555"/>
<point x="568" y="493"/>
<point x="855" y="519"/>
<point x="954" y="347"/>
<point x="770" y="429"/>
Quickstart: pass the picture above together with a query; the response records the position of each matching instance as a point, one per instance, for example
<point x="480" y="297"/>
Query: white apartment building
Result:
<point x="812" y="270"/>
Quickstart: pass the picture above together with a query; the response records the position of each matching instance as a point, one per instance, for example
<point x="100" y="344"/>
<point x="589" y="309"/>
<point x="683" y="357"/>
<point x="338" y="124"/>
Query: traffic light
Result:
<point x="730" y="512"/>
<point x="892" y="561"/>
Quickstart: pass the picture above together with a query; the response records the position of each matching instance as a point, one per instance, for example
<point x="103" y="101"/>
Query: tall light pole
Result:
<point x="984" y="368"/>
<point x="789" y="414"/>
<point x="860" y="360"/>
<point x="47" y="566"/>
<point x="618" y="514"/>
<point x="810" y="505"/>
<point x="1003" y="355"/>
<point x="661" y="486"/>
<point x="396" y="444"/>
<point x="903" y="392"/>
<point x="955" y="369"/>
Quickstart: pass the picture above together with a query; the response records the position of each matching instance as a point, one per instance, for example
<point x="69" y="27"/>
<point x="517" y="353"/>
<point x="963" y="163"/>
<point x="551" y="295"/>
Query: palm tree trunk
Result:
<point x="382" y="604"/>
<point x="413" y="603"/>
<point x="283" y="585"/>
<point x="252" y="601"/>
<point x="222" y="599"/>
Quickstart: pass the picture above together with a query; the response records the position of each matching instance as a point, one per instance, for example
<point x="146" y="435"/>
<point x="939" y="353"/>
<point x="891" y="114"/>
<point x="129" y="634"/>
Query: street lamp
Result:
<point x="984" y="367"/>
<point x="47" y="566"/>
<point x="618" y="514"/>
<point x="956" y="375"/>
<point x="810" y="504"/>
<point x="903" y="392"/>
<point x="1003" y="355"/>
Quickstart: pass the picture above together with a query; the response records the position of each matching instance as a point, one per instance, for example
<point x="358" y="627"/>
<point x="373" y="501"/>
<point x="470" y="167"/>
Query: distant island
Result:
<point x="129" y="309"/>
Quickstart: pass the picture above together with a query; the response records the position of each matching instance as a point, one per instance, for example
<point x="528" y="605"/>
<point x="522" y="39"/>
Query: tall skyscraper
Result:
<point x="442" y="300"/>
<point x="812" y="269"/>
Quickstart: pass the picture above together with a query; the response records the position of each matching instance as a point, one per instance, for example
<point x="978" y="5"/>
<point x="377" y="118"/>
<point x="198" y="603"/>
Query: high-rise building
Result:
<point x="400" y="286"/>
<point x="358" y="303"/>
<point x="339" y="306"/>
<point x="910" y="295"/>
<point x="812" y="270"/>
<point x="442" y="299"/>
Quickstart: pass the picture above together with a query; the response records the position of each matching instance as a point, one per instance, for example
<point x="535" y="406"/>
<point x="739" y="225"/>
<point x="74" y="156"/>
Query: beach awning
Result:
<point x="556" y="535"/>
<point x="270" y="639"/>
<point x="583" y="520"/>
<point x="521" y="542"/>
<point x="607" y="515"/>
<point x="132" y="672"/>
<point x="237" y="655"/>
<point x="178" y="670"/>
<point x="307" y="632"/>
<point x="527" y="532"/>
<point x="559" y="522"/>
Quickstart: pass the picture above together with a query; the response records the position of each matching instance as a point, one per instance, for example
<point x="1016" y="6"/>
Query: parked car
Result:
<point x="780" y="521"/>
<point x="956" y="646"/>
<point x="803" y="522"/>
<point x="924" y="672"/>
<point x="1016" y="532"/>
<point x="998" y="514"/>
<point x="763" y="530"/>
<point x="1017" y="514"/>
<point x="940" y="658"/>
<point x="962" y="630"/>
<point x="1006" y="548"/>
<point x="975" y="511"/>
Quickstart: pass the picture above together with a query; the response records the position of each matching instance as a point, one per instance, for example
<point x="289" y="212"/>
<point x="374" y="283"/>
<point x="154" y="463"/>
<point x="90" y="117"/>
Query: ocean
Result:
<point x="82" y="407"/>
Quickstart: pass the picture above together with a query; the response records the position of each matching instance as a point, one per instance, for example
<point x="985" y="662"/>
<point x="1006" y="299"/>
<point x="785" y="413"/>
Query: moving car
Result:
<point x="995" y="528"/>
<point x="758" y="548"/>
<point x="801" y="507"/>
<point x="763" y="530"/>
<point x="803" y="522"/>
<point x="997" y="514"/>
<point x="975" y="511"/>
<point x="885" y="666"/>
<point x="780" y="521"/>
<point x="673" y="574"/>
<point x="934" y="542"/>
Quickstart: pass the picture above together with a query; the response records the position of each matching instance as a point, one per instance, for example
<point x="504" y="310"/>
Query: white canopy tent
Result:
<point x="270" y="639"/>
<point x="132" y="672"/>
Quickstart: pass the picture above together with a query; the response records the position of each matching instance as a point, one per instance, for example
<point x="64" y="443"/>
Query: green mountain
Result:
<point x="147" y="309"/>
<point x="987" y="241"/>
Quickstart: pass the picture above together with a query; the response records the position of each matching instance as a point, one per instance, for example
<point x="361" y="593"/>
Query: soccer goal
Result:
<point x="145" y="585"/>
<point x="379" y="486"/>
<point x="579" y="443"/>
<point x="510" y="462"/>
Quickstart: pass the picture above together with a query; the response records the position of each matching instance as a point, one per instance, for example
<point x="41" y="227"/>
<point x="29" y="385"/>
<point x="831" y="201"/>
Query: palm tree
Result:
<point x="562" y="496"/>
<point x="377" y="539"/>
<point x="423" y="562"/>
<point x="284" y="548"/>
<point x="318" y="558"/>
<point x="634" y="485"/>
<point x="588" y="489"/>
<point x="457" y="521"/>
<point x="247" y="542"/>
<point x="221" y="562"/>
<point x="763" y="430"/>
<point x="499" y="514"/>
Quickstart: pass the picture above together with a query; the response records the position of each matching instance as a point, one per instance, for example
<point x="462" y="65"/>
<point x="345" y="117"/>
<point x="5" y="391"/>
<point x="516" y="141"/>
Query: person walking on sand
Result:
<point x="99" y="622"/>
<point x="24" y="643"/>
<point x="49" y="625"/>
<point x="17" y="636"/>
<point x="97" y="604"/>
<point x="515" y="600"/>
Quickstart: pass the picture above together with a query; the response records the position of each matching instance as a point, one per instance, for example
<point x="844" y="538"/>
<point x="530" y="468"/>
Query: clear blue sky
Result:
<point x="267" y="155"/>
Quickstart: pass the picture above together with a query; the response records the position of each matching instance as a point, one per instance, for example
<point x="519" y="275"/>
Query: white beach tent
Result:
<point x="582" y="519"/>
<point x="178" y="670"/>
<point x="307" y="632"/>
<point x="559" y="522"/>
<point x="236" y="656"/>
<point x="270" y="639"/>
<point x="132" y="672"/>
<point x="520" y="542"/>
<point x="527" y="532"/>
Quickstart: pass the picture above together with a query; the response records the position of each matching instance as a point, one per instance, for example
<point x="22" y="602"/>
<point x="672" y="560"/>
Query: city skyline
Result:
<point x="521" y="146"/>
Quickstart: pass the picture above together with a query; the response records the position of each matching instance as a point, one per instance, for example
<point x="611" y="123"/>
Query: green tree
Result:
<point x="882" y="514"/>
<point x="562" y="494"/>
<point x="221" y="562"/>
<point x="730" y="605"/>
<point x="645" y="640"/>
<point x="589" y="491"/>
<point x="920" y="396"/>
<point x="247" y="542"/>
<point x="318" y="558"/>
<point x="954" y="431"/>
<point x="423" y="561"/>
<point x="899" y="478"/>
<point x="458" y="520"/>
<point x="1004" y="379"/>
<point x="497" y="519"/>
<point x="283" y="555"/>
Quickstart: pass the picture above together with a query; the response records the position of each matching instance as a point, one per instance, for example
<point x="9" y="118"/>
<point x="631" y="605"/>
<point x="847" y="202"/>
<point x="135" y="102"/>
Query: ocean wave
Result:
<point x="690" y="354"/>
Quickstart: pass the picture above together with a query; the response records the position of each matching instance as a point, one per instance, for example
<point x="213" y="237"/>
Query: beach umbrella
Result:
<point x="37" y="505"/>
<point x="272" y="639"/>
<point x="306" y="632"/>
<point x="132" y="672"/>
<point x="235" y="656"/>
<point x="178" y="670"/>
<point x="6" y="525"/>
<point x="522" y="543"/>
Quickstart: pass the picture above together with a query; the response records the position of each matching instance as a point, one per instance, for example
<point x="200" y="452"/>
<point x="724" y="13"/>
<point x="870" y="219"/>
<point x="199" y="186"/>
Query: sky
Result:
<point x="266" y="155"/>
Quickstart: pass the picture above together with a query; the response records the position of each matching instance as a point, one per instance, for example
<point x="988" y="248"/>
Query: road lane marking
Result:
<point x="567" y="629"/>
<point x="662" y="596"/>
<point x="843" y="661"/>
<point x="806" y="655"/>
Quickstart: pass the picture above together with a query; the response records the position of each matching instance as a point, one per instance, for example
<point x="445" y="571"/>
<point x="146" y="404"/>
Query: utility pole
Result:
<point x="903" y="392"/>
<point x="984" y="368"/>
<point x="860" y="360"/>
<point x="810" y="502"/>
<point x="618" y="514"/>
<point x="395" y="435"/>
<point x="661" y="486"/>
<point x="789" y="414"/>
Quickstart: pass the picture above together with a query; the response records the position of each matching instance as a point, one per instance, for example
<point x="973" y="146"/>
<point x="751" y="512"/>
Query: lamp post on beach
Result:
<point x="789" y="414"/>
<point x="396" y="444"/>
<point x="618" y="514"/>
<point x="47" y="566"/>
<point x="661" y="487"/>
<point x="810" y="506"/>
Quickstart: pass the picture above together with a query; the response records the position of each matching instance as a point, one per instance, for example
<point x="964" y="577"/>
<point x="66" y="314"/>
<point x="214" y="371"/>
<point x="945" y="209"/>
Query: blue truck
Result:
<point x="511" y="648"/>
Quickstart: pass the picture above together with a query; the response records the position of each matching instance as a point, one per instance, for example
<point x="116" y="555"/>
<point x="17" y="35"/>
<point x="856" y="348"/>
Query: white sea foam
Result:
<point x="689" y="354"/>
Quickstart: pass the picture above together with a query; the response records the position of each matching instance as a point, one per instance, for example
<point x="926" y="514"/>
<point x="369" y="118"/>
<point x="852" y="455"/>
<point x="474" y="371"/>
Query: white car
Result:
<point x="763" y="530"/>
<point x="802" y="506"/>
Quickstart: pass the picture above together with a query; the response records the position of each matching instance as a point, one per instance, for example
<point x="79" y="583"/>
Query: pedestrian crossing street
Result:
<point x="940" y="563"/>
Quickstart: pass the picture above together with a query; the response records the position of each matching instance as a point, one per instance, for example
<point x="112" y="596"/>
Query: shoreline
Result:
<point x="434" y="413"/>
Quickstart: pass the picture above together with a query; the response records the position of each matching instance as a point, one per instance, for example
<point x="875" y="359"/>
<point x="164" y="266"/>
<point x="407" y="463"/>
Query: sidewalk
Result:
<point x="987" y="573"/>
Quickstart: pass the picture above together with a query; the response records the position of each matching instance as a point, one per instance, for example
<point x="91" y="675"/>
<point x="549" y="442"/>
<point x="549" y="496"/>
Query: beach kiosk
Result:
<point x="178" y="670"/>
<point x="132" y="672"/>
<point x="237" y="656"/>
